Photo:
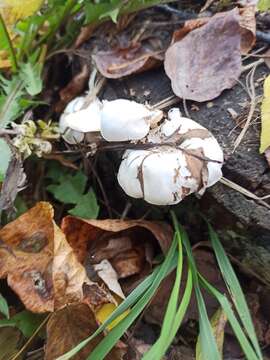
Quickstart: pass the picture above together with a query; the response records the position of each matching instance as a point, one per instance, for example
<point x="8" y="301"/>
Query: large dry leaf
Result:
<point x="26" y="251"/>
<point x="117" y="63"/>
<point x="129" y="246"/>
<point x="265" y="116"/>
<point x="69" y="326"/>
<point x="207" y="60"/>
<point x="41" y="266"/>
<point x="247" y="22"/>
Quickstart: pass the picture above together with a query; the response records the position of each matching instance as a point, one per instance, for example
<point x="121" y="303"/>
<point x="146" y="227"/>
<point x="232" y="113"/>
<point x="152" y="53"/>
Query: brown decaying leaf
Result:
<point x="127" y="245"/>
<point x="80" y="232"/>
<point x="73" y="88"/>
<point x="207" y="60"/>
<point x="117" y="63"/>
<point x="40" y="265"/>
<point x="76" y="322"/>
<point x="247" y="22"/>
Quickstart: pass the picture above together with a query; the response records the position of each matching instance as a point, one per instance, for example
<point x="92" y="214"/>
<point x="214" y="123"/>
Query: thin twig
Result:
<point x="244" y="191"/>
<point x="251" y="65"/>
<point x="171" y="100"/>
<point x="251" y="109"/>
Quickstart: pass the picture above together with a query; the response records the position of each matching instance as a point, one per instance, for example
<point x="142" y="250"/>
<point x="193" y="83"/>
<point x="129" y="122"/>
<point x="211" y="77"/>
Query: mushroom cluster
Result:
<point x="174" y="157"/>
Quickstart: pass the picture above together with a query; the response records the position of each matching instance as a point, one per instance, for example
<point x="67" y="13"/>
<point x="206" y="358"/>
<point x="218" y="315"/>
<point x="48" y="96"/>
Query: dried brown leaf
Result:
<point x="188" y="27"/>
<point x="207" y="60"/>
<point x="26" y="250"/>
<point x="69" y="326"/>
<point x="247" y="24"/>
<point x="127" y="245"/>
<point x="81" y="233"/>
<point x="40" y="265"/>
<point x="117" y="63"/>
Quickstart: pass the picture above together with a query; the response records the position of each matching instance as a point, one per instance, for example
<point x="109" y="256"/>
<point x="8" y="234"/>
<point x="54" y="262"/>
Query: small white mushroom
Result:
<point x="79" y="118"/>
<point x="182" y="158"/>
<point x="123" y="120"/>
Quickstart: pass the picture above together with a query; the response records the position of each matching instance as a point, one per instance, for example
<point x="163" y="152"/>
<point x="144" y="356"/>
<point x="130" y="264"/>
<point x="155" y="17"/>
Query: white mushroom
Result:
<point x="123" y="120"/>
<point x="79" y="118"/>
<point x="182" y="157"/>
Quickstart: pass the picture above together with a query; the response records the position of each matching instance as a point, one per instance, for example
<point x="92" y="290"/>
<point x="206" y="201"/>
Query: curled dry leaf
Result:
<point x="117" y="63"/>
<point x="40" y="265"/>
<point x="248" y="28"/>
<point x="78" y="322"/>
<point x="127" y="245"/>
<point x="194" y="74"/>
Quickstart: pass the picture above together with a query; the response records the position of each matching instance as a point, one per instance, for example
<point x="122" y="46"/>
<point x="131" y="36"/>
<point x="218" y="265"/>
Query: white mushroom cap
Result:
<point x="128" y="172"/>
<point x="123" y="120"/>
<point x="86" y="119"/>
<point x="77" y="120"/>
<point x="164" y="175"/>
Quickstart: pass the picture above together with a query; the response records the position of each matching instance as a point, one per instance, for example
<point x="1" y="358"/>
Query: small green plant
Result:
<point x="235" y="308"/>
<point x="70" y="189"/>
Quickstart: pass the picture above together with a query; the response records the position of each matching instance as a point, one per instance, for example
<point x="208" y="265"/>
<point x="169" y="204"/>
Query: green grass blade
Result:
<point x="234" y="288"/>
<point x="209" y="345"/>
<point x="158" y="350"/>
<point x="104" y="347"/>
<point x="239" y="333"/>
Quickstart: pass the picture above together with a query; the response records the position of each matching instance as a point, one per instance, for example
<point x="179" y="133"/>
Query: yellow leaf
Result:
<point x="14" y="10"/>
<point x="218" y="322"/>
<point x="265" y="116"/>
<point x="105" y="311"/>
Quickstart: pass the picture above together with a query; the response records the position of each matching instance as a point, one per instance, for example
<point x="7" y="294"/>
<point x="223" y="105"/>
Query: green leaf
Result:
<point x="31" y="76"/>
<point x="26" y="321"/>
<point x="112" y="14"/>
<point x="4" y="158"/>
<point x="87" y="207"/>
<point x="235" y="289"/>
<point x="264" y="5"/>
<point x="71" y="188"/>
<point x="11" y="91"/>
<point x="20" y="205"/>
<point x="4" y="306"/>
